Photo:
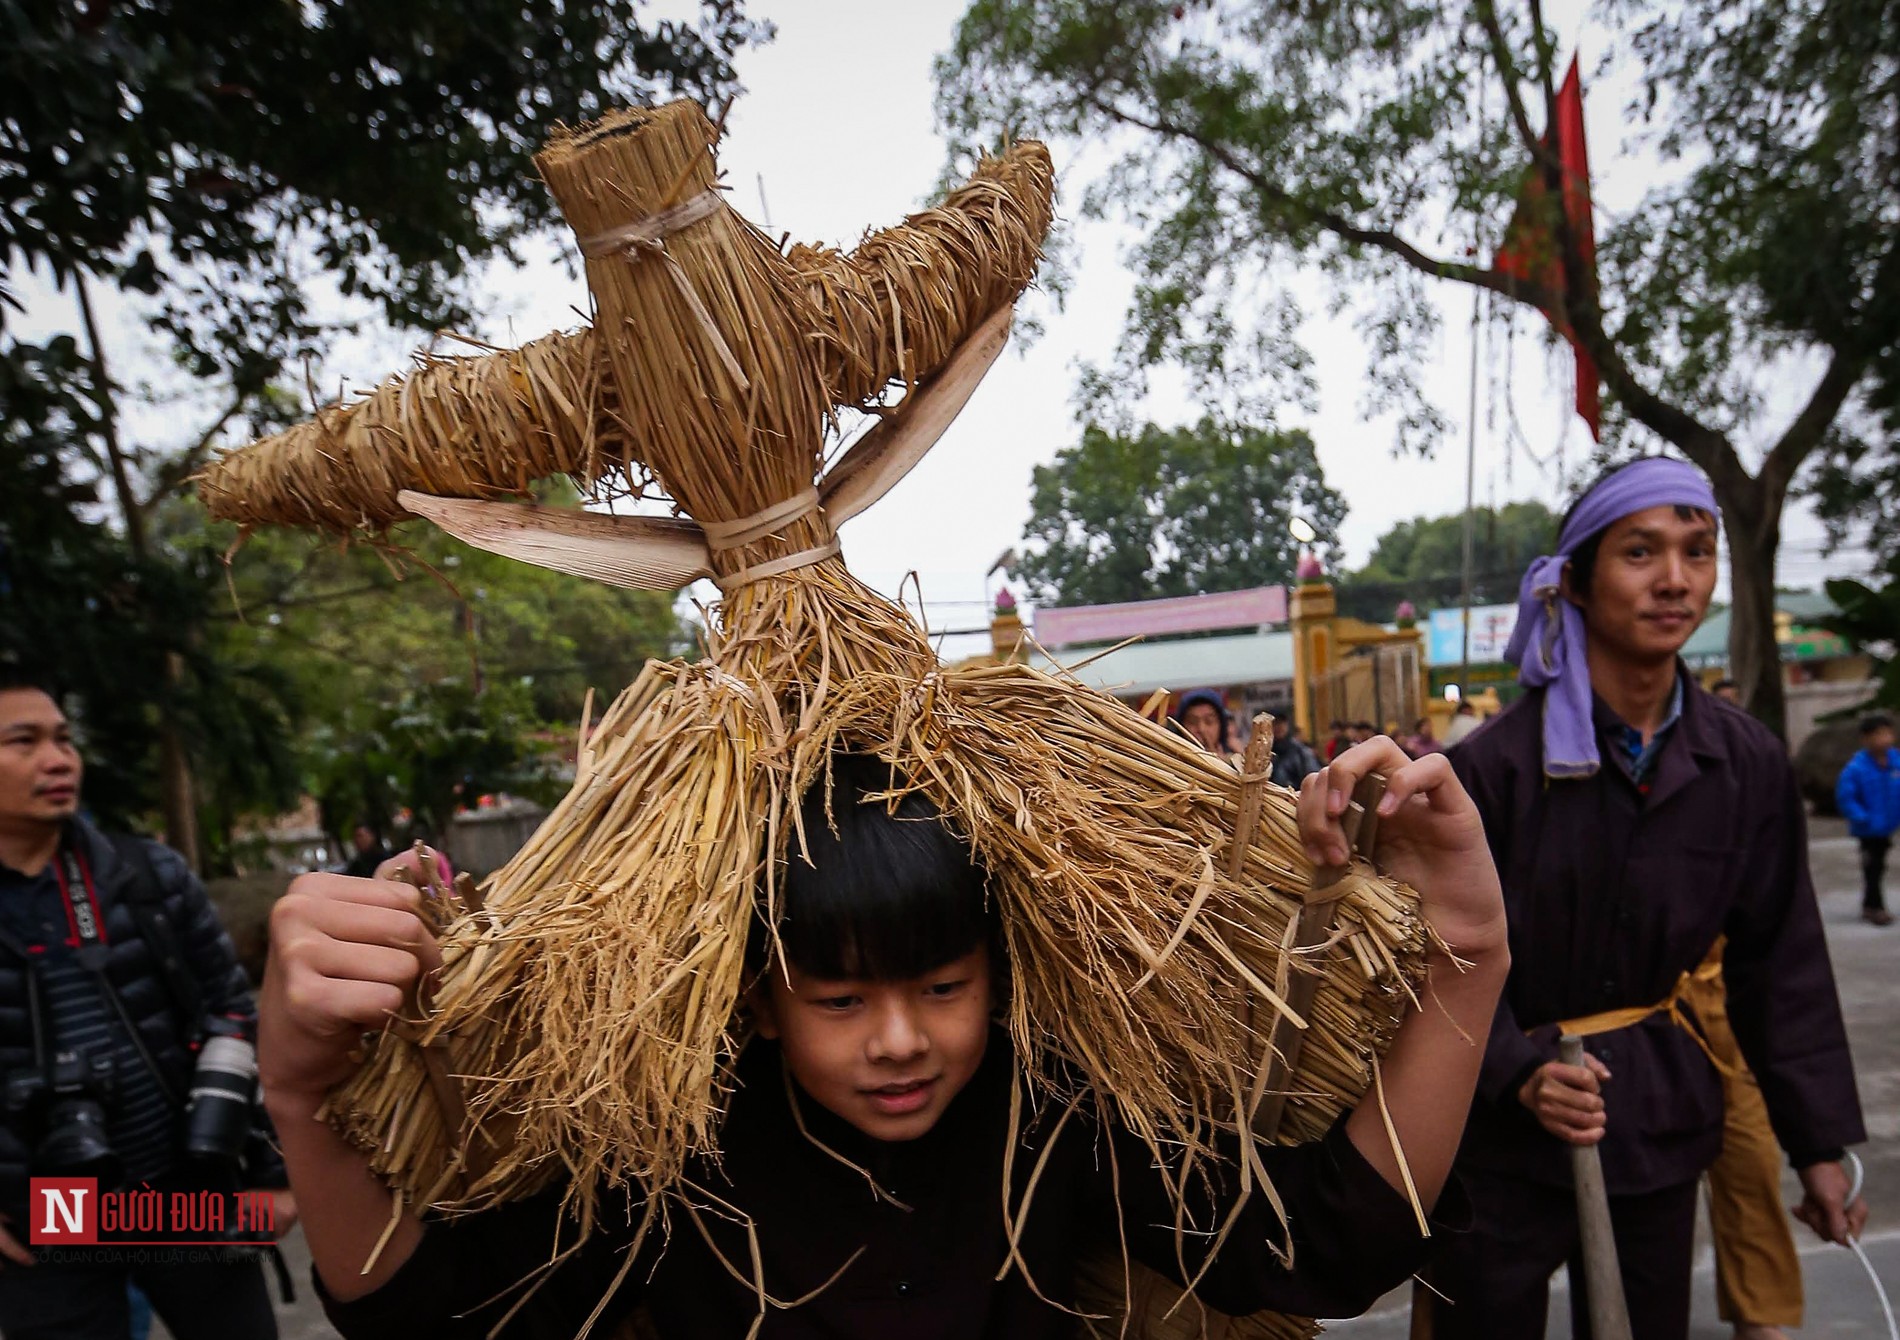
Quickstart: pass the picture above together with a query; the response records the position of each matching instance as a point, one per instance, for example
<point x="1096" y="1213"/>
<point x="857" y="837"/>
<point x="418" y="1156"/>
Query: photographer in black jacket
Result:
<point x="126" y="1029"/>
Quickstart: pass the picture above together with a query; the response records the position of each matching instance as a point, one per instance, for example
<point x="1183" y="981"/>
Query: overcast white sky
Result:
<point x="837" y="125"/>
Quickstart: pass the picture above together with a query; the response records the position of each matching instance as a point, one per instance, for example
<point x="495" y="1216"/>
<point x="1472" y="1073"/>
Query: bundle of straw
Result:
<point x="589" y="1004"/>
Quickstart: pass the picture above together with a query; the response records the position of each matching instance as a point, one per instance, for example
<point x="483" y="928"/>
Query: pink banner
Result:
<point x="1150" y="618"/>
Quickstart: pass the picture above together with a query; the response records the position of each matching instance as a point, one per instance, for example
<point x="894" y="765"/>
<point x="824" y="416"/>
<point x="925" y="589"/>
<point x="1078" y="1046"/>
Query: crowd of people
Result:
<point x="1618" y="856"/>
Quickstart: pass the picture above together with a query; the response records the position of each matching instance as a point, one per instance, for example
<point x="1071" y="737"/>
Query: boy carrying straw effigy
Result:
<point x="842" y="985"/>
<point x="878" y="1141"/>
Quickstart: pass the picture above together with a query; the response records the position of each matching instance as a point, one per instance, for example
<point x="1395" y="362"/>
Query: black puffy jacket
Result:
<point x="135" y="976"/>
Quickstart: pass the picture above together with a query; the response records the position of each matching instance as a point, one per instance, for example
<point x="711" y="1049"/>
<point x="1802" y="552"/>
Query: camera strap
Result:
<point x="85" y="924"/>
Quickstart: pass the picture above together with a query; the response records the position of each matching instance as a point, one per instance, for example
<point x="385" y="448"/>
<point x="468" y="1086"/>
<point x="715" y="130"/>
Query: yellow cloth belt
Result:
<point x="1706" y="975"/>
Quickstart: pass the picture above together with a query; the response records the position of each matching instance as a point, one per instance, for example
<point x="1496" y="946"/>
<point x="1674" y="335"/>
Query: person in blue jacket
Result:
<point x="1869" y="796"/>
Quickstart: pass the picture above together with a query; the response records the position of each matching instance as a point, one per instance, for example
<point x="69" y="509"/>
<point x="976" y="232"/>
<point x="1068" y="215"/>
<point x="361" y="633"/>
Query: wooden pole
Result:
<point x="1602" y="1276"/>
<point x="1361" y="822"/>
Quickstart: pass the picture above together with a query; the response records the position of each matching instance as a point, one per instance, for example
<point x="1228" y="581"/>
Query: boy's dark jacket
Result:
<point x="927" y="1268"/>
<point x="1612" y="893"/>
<point x="134" y="974"/>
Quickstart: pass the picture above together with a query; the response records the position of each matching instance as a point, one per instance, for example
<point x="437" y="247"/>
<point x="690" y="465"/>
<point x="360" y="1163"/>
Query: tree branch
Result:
<point x="303" y="602"/>
<point x="1708" y="447"/>
<point x="1508" y="75"/>
<point x="109" y="422"/>
<point x="1546" y="59"/>
<point x="1581" y="316"/>
<point x="177" y="471"/>
<point x="1811" y="424"/>
<point x="1843" y="373"/>
<point x="1380" y="239"/>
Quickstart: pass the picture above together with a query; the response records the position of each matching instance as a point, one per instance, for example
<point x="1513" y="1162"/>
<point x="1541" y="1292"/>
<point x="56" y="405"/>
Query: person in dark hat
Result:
<point x="1203" y="715"/>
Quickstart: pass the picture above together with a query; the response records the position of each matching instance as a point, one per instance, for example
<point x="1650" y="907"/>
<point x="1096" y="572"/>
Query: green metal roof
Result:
<point x="1183" y="663"/>
<point x="1804" y="605"/>
<point x="1708" y="647"/>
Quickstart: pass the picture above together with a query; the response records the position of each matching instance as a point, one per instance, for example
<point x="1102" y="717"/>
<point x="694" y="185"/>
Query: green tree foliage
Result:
<point x="1869" y="617"/>
<point x="117" y="632"/>
<point x="253" y="179"/>
<point x="1172" y="512"/>
<point x="167" y="145"/>
<point x="426" y="748"/>
<point x="1375" y="141"/>
<point x="230" y="161"/>
<point x="425" y="664"/>
<point x="1422" y="560"/>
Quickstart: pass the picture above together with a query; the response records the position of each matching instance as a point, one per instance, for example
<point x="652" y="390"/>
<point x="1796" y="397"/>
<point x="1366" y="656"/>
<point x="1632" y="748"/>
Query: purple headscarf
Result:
<point x="1547" y="645"/>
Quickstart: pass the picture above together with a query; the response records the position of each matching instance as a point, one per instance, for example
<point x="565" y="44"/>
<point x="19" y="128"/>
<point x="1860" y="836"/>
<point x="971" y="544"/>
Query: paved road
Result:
<point x="1842" y="1304"/>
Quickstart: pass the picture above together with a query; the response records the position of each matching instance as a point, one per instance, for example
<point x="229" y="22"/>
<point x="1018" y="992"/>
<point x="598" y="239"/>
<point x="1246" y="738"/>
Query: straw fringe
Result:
<point x="617" y="933"/>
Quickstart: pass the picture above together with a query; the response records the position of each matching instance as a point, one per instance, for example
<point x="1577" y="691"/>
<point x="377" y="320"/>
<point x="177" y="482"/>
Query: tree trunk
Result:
<point x="1753" y="652"/>
<point x="178" y="795"/>
<point x="177" y="799"/>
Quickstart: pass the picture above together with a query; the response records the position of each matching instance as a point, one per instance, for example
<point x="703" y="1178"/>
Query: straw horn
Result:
<point x="647" y="553"/>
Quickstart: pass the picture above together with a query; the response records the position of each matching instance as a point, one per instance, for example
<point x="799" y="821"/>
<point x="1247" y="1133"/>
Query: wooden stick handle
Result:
<point x="1361" y="822"/>
<point x="1602" y="1276"/>
<point x="1255" y="764"/>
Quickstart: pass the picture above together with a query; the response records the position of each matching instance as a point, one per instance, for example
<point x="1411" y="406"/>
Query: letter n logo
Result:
<point x="65" y="1210"/>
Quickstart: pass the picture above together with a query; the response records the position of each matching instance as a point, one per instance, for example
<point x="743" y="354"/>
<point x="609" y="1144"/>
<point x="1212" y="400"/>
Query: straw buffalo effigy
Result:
<point x="1170" y="956"/>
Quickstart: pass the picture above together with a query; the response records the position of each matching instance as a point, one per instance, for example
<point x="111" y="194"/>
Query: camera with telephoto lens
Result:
<point x="65" y="1100"/>
<point x="218" y="1118"/>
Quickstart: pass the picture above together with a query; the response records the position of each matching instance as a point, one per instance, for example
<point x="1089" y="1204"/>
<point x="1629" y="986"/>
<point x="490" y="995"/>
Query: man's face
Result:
<point x="39" y="767"/>
<point x="1281" y="729"/>
<point x="1879" y="741"/>
<point x="1655" y="574"/>
<point x="885" y="1056"/>
<point x="1203" y="723"/>
<point x="363" y="838"/>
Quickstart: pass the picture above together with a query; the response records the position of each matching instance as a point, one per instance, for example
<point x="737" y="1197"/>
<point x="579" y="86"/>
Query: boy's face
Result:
<point x="1879" y="740"/>
<point x="885" y="1056"/>
<point x="1655" y="573"/>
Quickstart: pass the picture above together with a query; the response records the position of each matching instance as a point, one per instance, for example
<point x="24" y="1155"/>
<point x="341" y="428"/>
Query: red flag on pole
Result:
<point x="1529" y="251"/>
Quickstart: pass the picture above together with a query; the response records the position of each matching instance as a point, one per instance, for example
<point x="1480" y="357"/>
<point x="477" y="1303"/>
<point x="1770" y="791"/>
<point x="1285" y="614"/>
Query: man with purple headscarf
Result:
<point x="1635" y="821"/>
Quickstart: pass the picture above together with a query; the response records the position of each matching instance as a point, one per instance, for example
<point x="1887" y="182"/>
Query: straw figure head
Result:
<point x="584" y="1025"/>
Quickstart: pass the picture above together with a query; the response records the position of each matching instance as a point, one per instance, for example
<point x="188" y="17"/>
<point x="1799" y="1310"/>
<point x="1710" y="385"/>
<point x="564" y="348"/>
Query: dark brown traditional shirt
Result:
<point x="924" y="1268"/>
<point x="1613" y="888"/>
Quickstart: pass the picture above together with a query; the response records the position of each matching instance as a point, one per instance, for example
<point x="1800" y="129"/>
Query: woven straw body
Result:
<point x="590" y="1007"/>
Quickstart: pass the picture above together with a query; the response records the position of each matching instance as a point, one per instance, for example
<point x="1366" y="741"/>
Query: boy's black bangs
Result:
<point x="891" y="895"/>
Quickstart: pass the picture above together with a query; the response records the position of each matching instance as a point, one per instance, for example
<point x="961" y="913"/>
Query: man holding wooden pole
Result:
<point x="1635" y="821"/>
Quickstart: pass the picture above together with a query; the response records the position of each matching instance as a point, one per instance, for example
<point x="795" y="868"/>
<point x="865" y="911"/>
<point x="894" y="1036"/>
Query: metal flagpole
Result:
<point x="1471" y="435"/>
<point x="1471" y="475"/>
